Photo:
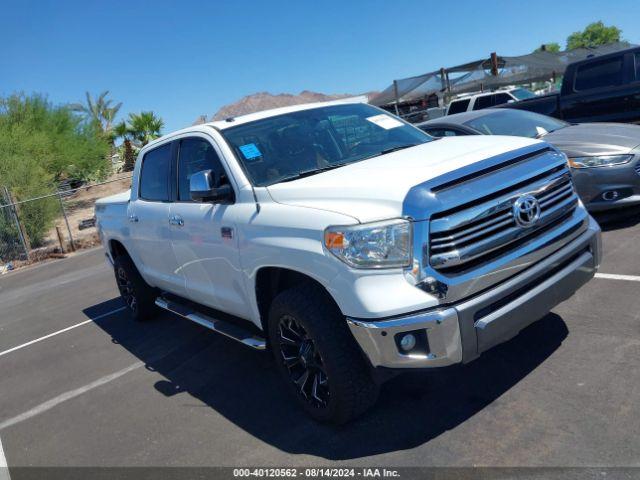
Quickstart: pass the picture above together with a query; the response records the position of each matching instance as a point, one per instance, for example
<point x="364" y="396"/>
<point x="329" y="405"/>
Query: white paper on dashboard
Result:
<point x="385" y="121"/>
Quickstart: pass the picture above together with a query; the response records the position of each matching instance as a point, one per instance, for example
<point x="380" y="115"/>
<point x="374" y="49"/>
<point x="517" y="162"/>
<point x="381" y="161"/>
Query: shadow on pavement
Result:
<point x="617" y="219"/>
<point x="243" y="386"/>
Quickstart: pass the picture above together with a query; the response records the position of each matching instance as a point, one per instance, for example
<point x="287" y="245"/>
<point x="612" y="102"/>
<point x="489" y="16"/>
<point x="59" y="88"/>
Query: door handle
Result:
<point x="133" y="218"/>
<point x="176" y="220"/>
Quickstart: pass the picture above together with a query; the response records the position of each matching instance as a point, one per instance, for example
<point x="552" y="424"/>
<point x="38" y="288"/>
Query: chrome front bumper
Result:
<point x="462" y="331"/>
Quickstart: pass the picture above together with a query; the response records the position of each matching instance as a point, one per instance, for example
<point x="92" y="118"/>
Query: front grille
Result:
<point x="638" y="168"/>
<point x="479" y="230"/>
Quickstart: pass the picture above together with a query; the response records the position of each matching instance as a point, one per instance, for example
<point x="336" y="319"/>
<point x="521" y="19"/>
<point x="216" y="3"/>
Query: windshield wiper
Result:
<point x="392" y="149"/>
<point x="308" y="173"/>
<point x="399" y="147"/>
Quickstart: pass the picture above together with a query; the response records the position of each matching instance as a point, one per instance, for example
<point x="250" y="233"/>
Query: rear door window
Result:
<point x="483" y="102"/>
<point x="501" y="98"/>
<point x="637" y="59"/>
<point x="459" y="106"/>
<point x="599" y="74"/>
<point x="155" y="174"/>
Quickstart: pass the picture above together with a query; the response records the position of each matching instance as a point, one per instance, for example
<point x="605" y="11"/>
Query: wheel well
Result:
<point x="270" y="281"/>
<point x="117" y="249"/>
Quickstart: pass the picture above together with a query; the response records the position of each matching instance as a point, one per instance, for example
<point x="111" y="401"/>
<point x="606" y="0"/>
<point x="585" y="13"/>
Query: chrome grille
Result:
<point x="638" y="168"/>
<point x="476" y="231"/>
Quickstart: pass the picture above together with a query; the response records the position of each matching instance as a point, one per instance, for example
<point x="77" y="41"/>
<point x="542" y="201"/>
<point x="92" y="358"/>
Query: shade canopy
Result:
<point x="472" y="76"/>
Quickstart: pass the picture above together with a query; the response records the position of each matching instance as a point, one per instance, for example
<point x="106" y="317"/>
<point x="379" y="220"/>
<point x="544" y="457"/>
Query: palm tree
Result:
<point x="138" y="130"/>
<point x="145" y="126"/>
<point x="122" y="130"/>
<point x="101" y="111"/>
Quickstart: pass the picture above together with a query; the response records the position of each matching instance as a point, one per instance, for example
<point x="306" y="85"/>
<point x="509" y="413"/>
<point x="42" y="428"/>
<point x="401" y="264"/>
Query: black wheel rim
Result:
<point x="126" y="290"/>
<point x="303" y="362"/>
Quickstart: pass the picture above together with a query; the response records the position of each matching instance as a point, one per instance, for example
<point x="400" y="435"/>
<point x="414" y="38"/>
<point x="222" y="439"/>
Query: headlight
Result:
<point x="374" y="245"/>
<point x="599" y="161"/>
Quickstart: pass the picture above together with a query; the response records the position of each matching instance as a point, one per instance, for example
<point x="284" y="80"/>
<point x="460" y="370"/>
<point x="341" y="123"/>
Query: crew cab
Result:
<point x="348" y="242"/>
<point x="604" y="88"/>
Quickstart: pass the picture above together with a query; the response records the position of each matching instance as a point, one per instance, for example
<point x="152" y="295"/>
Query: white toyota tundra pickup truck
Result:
<point x="348" y="242"/>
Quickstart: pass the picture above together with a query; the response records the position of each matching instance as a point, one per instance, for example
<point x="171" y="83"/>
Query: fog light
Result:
<point x="408" y="342"/>
<point x="610" y="195"/>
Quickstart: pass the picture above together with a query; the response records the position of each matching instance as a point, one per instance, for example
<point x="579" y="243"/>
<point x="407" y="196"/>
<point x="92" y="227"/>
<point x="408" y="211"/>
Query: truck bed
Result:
<point x="544" y="104"/>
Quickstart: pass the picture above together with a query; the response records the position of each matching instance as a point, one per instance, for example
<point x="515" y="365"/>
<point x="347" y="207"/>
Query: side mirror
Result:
<point x="202" y="187"/>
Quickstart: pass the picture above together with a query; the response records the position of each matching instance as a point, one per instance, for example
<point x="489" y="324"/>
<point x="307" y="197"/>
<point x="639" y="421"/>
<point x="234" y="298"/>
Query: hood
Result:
<point x="375" y="189"/>
<point x="595" y="139"/>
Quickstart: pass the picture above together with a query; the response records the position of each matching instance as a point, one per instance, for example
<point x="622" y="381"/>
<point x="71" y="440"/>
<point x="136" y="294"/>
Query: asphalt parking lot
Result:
<point x="111" y="392"/>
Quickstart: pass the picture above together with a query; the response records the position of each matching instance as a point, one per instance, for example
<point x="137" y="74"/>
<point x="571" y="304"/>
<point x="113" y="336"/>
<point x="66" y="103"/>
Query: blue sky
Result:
<point x="186" y="58"/>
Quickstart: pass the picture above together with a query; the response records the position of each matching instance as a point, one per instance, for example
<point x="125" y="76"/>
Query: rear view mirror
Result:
<point x="203" y="188"/>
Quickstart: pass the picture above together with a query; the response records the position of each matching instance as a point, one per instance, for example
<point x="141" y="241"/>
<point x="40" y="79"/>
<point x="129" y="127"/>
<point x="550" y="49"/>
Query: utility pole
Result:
<point x="494" y="64"/>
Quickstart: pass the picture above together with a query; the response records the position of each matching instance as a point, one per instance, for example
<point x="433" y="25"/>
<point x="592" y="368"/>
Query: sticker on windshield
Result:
<point x="385" y="121"/>
<point x="250" y="151"/>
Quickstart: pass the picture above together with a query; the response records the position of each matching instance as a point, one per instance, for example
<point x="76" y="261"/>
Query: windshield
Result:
<point x="522" y="93"/>
<point x="296" y="144"/>
<point x="517" y="123"/>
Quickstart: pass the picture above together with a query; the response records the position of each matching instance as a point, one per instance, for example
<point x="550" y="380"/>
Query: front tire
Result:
<point x="138" y="296"/>
<point x="318" y="356"/>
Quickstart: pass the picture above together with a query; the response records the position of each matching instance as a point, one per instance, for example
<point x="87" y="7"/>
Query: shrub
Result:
<point x="41" y="144"/>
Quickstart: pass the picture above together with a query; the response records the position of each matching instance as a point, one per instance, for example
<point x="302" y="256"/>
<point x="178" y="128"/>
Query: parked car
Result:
<point x="605" y="88"/>
<point x="348" y="242"/>
<point x="604" y="157"/>
<point x="478" y="101"/>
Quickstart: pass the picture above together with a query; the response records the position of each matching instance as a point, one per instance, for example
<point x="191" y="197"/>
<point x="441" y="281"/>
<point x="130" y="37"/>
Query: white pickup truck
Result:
<point x="348" y="242"/>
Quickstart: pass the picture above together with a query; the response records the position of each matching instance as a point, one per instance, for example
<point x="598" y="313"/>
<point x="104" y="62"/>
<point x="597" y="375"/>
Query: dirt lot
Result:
<point x="80" y="206"/>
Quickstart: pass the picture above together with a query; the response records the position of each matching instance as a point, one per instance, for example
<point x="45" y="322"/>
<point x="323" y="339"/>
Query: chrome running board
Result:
<point x="227" y="329"/>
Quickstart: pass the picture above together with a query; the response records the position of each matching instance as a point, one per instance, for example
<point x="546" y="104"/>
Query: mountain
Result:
<point x="265" y="101"/>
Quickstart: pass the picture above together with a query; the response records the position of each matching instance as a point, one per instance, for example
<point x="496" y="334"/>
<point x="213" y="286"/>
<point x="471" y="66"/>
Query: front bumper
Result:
<point x="462" y="331"/>
<point x="595" y="185"/>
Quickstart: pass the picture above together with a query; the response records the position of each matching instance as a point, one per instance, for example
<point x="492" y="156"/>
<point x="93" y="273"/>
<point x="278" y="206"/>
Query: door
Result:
<point x="148" y="221"/>
<point x="634" y="88"/>
<point x="204" y="235"/>
<point x="599" y="92"/>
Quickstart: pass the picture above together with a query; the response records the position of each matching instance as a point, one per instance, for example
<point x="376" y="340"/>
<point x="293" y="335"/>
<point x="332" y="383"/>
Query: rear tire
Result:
<point x="318" y="357"/>
<point x="138" y="296"/>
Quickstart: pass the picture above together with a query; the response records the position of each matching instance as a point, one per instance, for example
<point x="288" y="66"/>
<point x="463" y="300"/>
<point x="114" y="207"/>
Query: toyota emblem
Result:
<point x="526" y="211"/>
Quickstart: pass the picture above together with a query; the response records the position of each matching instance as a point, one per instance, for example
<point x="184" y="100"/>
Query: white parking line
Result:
<point x="49" y="404"/>
<point x="4" y="467"/>
<point x="613" y="276"/>
<point x="19" y="347"/>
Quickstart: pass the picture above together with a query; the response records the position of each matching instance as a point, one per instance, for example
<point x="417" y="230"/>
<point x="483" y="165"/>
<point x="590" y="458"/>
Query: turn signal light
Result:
<point x="334" y="240"/>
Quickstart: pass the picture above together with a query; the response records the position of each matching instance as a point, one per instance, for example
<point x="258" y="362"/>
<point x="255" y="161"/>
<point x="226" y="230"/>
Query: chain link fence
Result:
<point x="49" y="225"/>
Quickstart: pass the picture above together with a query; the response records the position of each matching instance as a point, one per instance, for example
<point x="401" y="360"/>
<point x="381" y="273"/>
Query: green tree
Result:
<point x="101" y="112"/>
<point x="553" y="47"/>
<point x="594" y="34"/>
<point x="41" y="144"/>
<point x="145" y="126"/>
